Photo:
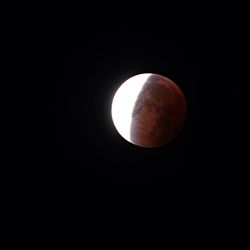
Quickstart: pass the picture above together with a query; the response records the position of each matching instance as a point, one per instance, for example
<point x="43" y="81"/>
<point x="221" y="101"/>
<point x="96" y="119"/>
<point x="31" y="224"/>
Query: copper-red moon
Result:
<point x="149" y="110"/>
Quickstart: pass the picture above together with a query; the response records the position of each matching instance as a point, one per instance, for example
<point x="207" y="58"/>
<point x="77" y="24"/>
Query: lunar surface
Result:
<point x="149" y="110"/>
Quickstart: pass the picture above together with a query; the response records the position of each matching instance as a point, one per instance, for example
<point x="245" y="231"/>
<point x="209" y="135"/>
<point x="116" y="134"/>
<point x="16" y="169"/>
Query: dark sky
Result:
<point x="195" y="180"/>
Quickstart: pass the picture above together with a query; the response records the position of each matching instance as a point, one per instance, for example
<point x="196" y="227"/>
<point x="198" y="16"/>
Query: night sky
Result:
<point x="193" y="182"/>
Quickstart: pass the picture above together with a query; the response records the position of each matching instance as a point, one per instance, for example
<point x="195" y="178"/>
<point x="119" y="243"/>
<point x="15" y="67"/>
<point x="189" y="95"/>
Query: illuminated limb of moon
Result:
<point x="124" y="102"/>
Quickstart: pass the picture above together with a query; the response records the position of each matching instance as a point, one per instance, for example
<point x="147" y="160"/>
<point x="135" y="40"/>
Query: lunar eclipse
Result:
<point x="149" y="110"/>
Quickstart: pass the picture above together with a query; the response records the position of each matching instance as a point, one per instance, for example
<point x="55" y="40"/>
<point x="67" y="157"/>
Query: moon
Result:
<point x="149" y="110"/>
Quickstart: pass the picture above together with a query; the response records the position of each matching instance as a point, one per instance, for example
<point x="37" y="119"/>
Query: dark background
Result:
<point x="191" y="191"/>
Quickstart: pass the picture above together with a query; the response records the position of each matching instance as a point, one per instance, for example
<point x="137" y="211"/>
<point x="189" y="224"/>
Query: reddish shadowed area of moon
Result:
<point x="159" y="113"/>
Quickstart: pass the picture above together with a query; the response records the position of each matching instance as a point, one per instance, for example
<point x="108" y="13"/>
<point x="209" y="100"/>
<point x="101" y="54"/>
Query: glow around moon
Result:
<point x="148" y="110"/>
